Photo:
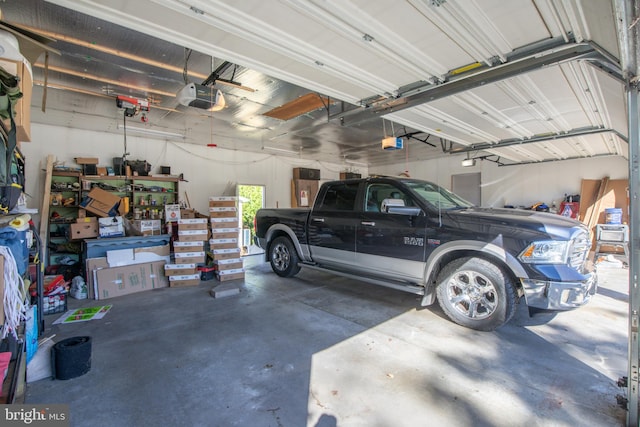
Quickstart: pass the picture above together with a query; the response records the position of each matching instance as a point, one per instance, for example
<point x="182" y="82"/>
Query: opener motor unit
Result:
<point x="199" y="96"/>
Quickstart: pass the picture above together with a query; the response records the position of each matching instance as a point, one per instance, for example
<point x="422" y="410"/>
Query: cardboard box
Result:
<point x="86" y="160"/>
<point x="224" y="222"/>
<point x="22" y="108"/>
<point x="111" y="227"/>
<point x="118" y="281"/>
<point x="92" y="265"/>
<point x="219" y="254"/>
<point x="223" y="198"/>
<point x="223" y="201"/>
<point x="83" y="230"/>
<point x="223" y="243"/>
<point x="222" y="204"/>
<point x="227" y="212"/>
<point x="148" y="227"/>
<point x="193" y="235"/>
<point x="85" y="219"/>
<point x="224" y="233"/>
<point x="229" y="264"/>
<point x="187" y="213"/>
<point x="182" y="247"/>
<point x="185" y="280"/>
<point x="179" y="269"/>
<point x="226" y="275"/>
<point x="189" y="257"/>
<point x="101" y="203"/>
<point x="192" y="224"/>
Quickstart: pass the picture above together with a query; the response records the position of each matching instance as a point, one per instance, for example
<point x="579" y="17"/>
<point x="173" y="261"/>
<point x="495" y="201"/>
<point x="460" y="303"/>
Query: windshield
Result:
<point x="436" y="196"/>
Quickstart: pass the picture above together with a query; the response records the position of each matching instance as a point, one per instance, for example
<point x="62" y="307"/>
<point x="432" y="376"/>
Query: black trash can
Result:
<point x="71" y="357"/>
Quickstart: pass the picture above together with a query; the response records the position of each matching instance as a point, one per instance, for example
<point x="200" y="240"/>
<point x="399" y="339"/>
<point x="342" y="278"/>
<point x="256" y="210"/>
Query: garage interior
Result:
<point x="530" y="104"/>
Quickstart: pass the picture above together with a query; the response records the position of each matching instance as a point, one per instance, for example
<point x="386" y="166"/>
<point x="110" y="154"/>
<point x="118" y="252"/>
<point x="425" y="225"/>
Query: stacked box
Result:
<point x="184" y="280"/>
<point x="189" y="248"/>
<point x="234" y="274"/>
<point x="182" y="247"/>
<point x="225" y="234"/>
<point x="179" y="269"/>
<point x="227" y="243"/>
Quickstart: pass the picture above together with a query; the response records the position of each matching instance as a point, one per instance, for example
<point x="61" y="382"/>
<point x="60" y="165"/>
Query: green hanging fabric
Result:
<point x="9" y="92"/>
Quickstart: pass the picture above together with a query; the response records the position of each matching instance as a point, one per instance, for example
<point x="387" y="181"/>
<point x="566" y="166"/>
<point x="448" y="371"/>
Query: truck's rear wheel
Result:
<point x="283" y="257"/>
<point x="476" y="293"/>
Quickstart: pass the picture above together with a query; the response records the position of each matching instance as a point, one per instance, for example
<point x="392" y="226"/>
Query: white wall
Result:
<point x="517" y="185"/>
<point x="216" y="171"/>
<point x="209" y="171"/>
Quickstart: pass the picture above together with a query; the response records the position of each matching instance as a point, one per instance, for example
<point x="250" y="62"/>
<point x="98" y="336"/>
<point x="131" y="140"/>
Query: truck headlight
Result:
<point x="545" y="252"/>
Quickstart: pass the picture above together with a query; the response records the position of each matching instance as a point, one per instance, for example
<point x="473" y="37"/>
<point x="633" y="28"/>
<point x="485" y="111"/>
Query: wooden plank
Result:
<point x="588" y="193"/>
<point x="44" y="213"/>
<point x="595" y="213"/>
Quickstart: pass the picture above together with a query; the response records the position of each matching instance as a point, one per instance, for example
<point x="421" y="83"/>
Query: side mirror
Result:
<point x="389" y="203"/>
<point x="405" y="210"/>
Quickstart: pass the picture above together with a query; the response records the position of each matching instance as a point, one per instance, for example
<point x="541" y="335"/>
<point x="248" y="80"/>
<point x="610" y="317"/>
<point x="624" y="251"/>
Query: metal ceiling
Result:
<point x="513" y="82"/>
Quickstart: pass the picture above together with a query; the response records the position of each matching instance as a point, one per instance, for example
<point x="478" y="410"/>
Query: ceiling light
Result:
<point x="468" y="162"/>
<point x="150" y="132"/>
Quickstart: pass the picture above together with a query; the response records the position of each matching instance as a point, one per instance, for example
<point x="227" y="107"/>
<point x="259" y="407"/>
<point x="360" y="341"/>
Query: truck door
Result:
<point x="391" y="244"/>
<point x="332" y="225"/>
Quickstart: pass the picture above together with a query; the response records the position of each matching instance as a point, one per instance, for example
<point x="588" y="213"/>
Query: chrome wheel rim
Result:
<point x="280" y="257"/>
<point x="472" y="294"/>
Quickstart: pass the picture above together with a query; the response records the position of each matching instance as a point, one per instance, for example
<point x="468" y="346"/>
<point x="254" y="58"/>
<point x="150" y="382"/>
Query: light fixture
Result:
<point x="150" y="132"/>
<point x="280" y="150"/>
<point x="468" y="162"/>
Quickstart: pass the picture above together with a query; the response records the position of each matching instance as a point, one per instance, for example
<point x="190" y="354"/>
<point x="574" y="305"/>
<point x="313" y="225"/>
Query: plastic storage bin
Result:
<point x="52" y="304"/>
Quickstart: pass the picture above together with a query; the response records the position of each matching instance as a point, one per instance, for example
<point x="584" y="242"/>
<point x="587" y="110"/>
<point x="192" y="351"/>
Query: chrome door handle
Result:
<point x="368" y="223"/>
<point x="317" y="219"/>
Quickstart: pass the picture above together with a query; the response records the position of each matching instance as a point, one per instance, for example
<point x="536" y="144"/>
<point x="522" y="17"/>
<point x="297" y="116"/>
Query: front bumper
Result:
<point x="552" y="295"/>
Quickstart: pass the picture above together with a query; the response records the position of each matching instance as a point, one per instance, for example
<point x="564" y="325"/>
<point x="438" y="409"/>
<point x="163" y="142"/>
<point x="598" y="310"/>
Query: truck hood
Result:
<point x="521" y="224"/>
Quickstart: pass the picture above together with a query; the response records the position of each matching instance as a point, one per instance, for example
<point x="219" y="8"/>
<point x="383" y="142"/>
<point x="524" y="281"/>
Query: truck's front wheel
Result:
<point x="476" y="293"/>
<point x="283" y="257"/>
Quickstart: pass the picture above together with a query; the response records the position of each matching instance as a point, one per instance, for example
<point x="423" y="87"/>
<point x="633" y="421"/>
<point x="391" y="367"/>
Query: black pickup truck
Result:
<point x="418" y="237"/>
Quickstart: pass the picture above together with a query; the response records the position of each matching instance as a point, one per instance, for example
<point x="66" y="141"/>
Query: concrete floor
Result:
<point x="319" y="350"/>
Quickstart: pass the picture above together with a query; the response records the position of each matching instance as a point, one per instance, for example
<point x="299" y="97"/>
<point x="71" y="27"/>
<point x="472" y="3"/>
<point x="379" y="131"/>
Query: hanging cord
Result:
<point x="15" y="307"/>
<point x="124" y="153"/>
<point x="185" y="74"/>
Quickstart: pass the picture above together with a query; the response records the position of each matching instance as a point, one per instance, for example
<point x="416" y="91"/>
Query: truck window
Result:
<point x="339" y="197"/>
<point x="377" y="193"/>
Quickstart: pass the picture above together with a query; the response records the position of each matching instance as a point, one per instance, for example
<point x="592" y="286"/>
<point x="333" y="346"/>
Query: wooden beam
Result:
<point x="44" y="212"/>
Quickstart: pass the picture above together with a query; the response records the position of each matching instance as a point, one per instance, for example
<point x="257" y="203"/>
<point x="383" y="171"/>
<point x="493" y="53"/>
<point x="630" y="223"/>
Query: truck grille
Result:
<point x="579" y="250"/>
